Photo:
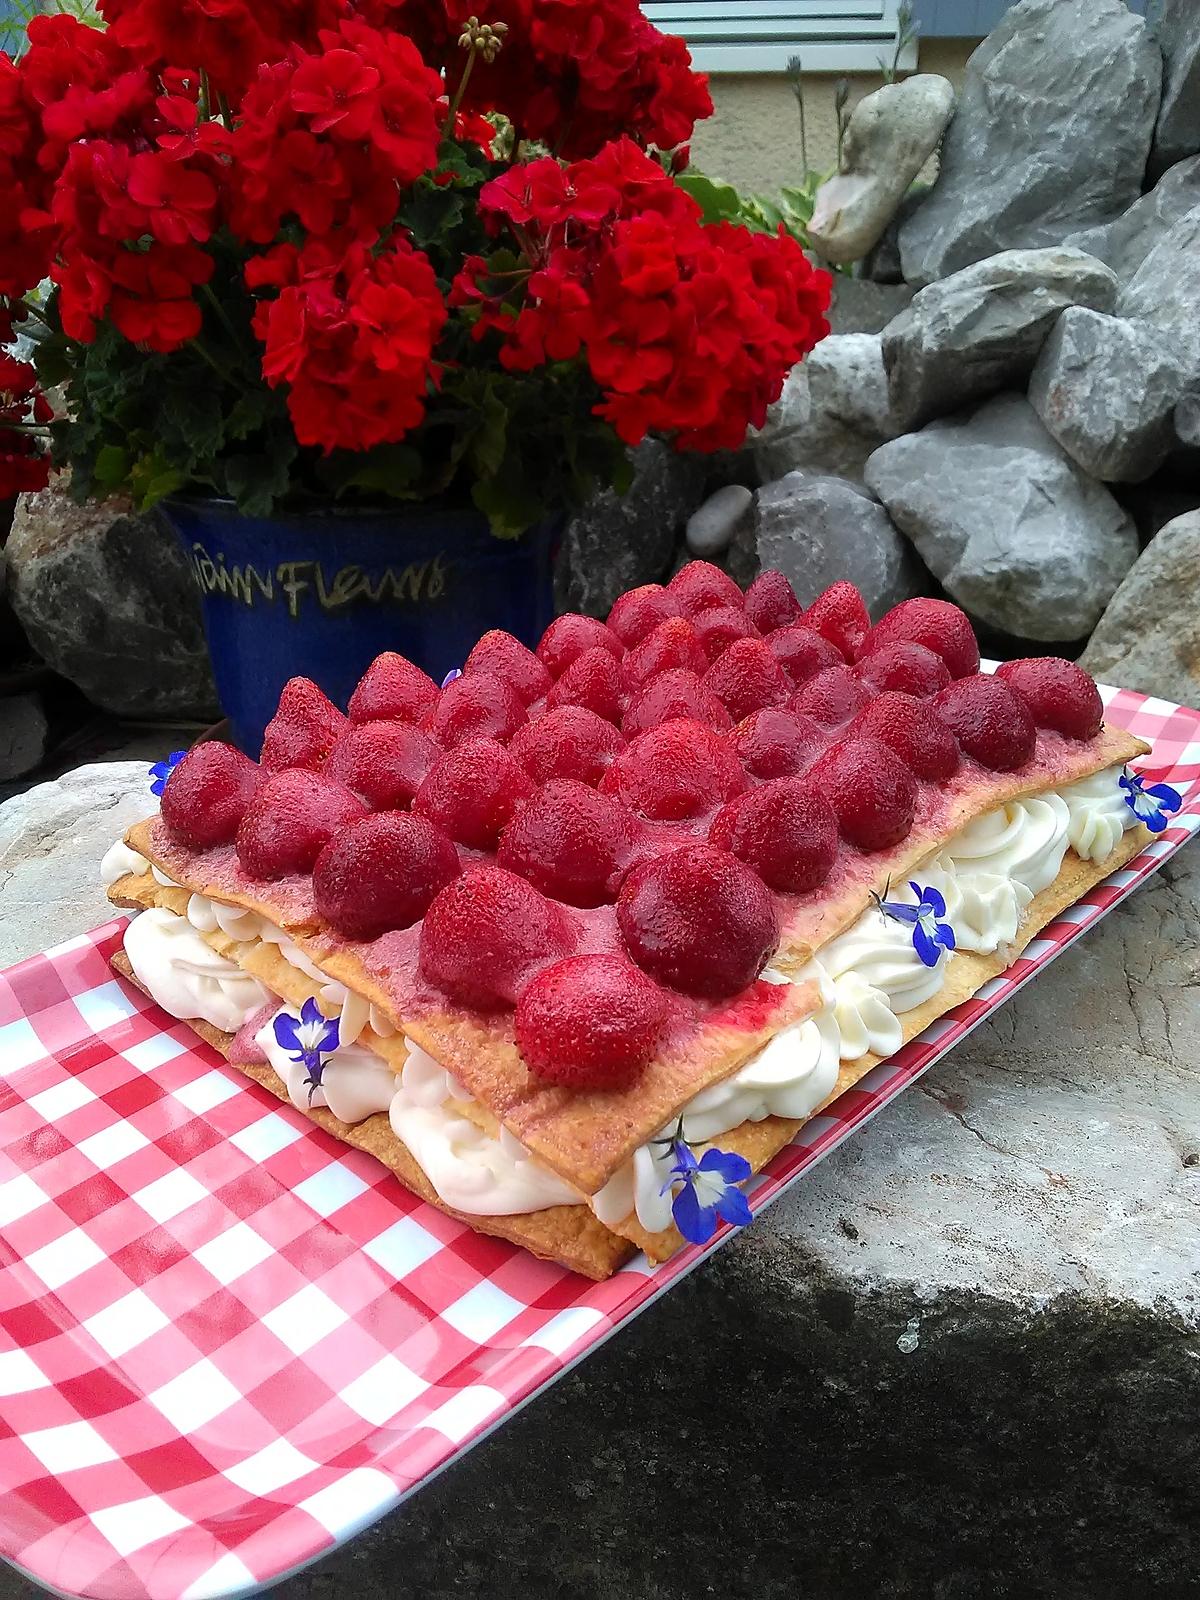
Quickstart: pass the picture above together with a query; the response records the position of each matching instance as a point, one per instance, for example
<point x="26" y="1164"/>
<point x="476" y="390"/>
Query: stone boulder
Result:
<point x="890" y="136"/>
<point x="1006" y="521"/>
<point x="1106" y="388"/>
<point x="23" y="731"/>
<point x="70" y="823"/>
<point x="817" y="529"/>
<point x="1124" y="243"/>
<point x="1165" y="289"/>
<point x="980" y="330"/>
<point x="832" y="414"/>
<point x="1052" y="131"/>
<point x="108" y="600"/>
<point x="620" y="541"/>
<point x="860" y="306"/>
<point x="1187" y="420"/>
<point x="710" y="530"/>
<point x="1177" y="29"/>
<point x="1149" y="637"/>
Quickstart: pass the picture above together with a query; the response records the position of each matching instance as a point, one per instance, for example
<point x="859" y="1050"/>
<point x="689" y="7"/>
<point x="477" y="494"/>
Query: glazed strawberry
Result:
<point x="479" y="707"/>
<point x="393" y="690"/>
<point x="840" y="615"/>
<point x="592" y="1022"/>
<point x="207" y="794"/>
<point x="747" y="678"/>
<point x="472" y="791"/>
<point x="593" y="680"/>
<point x="681" y="769"/>
<point x="290" y="819"/>
<point x="673" y="694"/>
<point x="785" y="830"/>
<point x="872" y="792"/>
<point x="990" y="720"/>
<point x="303" y="731"/>
<point x="570" y="842"/>
<point x="906" y="667"/>
<point x="777" y="742"/>
<point x="938" y="625"/>
<point x="381" y="873"/>
<point x="672" y="644"/>
<point x="570" y="742"/>
<point x="1059" y="694"/>
<point x="385" y="762"/>
<point x="717" y="629"/>
<point x="486" y="934"/>
<point x="502" y="656"/>
<point x="802" y="653"/>
<point x="771" y="602"/>
<point x="832" y="697"/>
<point x="569" y="636"/>
<point x="915" y="731"/>
<point x="698" y="920"/>
<point x="700" y="586"/>
<point x="639" y="611"/>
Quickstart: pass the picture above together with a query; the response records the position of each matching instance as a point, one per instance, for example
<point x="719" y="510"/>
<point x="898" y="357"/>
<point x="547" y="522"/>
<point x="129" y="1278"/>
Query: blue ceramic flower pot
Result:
<point x="322" y="594"/>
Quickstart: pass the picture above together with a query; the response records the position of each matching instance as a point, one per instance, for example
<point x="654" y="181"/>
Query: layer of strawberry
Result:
<point x="657" y="793"/>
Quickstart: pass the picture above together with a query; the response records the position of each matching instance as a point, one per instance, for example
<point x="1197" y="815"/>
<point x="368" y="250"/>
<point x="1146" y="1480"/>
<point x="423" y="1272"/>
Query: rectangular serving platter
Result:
<point x="228" y="1342"/>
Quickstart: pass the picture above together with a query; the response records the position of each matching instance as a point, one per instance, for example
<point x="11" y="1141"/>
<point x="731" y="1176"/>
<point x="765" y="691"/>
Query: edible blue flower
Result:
<point x="1149" y="804"/>
<point x="930" y="935"/>
<point x="162" y="770"/>
<point x="708" y="1190"/>
<point x="307" y="1040"/>
<point x="455" y="672"/>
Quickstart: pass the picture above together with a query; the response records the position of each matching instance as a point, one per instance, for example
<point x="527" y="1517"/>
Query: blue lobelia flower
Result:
<point x="455" y="672"/>
<point x="307" y="1041"/>
<point x="930" y="935"/>
<point x="708" y="1190"/>
<point x="1149" y="804"/>
<point x="162" y="770"/>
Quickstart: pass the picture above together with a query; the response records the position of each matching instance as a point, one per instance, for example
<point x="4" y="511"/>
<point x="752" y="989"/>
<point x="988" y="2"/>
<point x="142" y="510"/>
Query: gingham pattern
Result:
<point x="228" y="1342"/>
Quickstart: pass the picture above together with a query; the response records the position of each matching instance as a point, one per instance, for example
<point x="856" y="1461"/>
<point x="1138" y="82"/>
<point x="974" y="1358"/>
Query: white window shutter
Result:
<point x="763" y="35"/>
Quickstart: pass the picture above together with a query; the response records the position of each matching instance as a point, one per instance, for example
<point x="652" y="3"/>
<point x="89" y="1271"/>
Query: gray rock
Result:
<point x="1106" y="389"/>
<point x="1124" y="243"/>
<point x="51" y="840"/>
<point x="832" y="414"/>
<point x="710" y="530"/>
<point x="860" y="306"/>
<point x="1149" y="637"/>
<point x="1165" y="290"/>
<point x="816" y="530"/>
<point x="108" y="601"/>
<point x="980" y="330"/>
<point x="23" y="730"/>
<point x="620" y="541"/>
<point x="1006" y="521"/>
<point x="1187" y="420"/>
<point x="1052" y="131"/>
<point x="889" y="138"/>
<point x="1177" y="29"/>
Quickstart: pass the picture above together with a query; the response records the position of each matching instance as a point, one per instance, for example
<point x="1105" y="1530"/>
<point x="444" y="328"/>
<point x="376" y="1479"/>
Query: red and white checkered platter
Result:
<point x="229" y="1342"/>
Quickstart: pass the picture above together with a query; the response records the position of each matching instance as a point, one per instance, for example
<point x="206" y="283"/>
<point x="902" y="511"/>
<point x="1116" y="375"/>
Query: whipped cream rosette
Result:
<point x="576" y="941"/>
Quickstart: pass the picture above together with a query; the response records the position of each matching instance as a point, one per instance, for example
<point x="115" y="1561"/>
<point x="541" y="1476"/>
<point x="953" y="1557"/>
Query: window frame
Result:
<point x="763" y="35"/>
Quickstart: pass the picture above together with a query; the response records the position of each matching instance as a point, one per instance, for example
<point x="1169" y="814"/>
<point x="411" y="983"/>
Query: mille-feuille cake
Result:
<point x="577" y="941"/>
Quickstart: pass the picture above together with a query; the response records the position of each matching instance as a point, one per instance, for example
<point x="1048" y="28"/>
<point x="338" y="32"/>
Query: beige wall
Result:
<point x="753" y="137"/>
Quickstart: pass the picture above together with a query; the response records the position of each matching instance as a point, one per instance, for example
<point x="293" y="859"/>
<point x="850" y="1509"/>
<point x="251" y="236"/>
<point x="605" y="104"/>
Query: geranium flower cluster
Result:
<point x="346" y="202"/>
<point x="687" y="329"/>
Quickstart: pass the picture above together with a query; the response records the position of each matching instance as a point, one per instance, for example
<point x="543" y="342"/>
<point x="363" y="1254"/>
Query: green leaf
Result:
<point x="491" y="438"/>
<point x="391" y="469"/>
<point x="259" y="480"/>
<point x="194" y="411"/>
<point x="111" y="466"/>
<point x="152" y="478"/>
<point x="249" y="413"/>
<point x="718" y="201"/>
<point x="509" y="501"/>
